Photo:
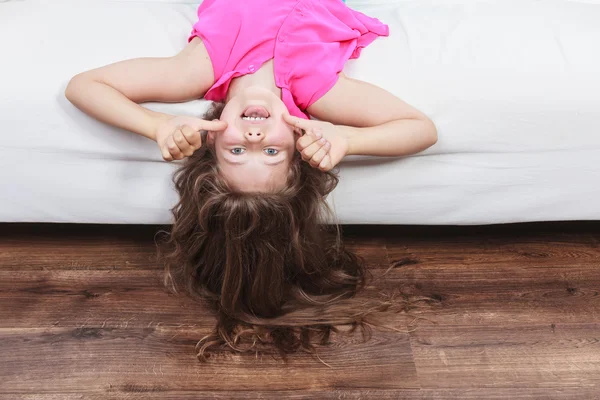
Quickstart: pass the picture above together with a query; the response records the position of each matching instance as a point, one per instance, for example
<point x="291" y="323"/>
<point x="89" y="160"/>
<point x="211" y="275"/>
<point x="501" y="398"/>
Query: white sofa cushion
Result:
<point x="512" y="86"/>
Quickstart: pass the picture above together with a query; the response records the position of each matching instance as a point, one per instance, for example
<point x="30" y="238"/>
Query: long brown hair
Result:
<point x="268" y="265"/>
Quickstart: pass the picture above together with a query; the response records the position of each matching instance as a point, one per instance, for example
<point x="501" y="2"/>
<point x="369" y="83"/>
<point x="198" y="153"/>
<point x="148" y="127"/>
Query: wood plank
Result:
<point x="143" y="393"/>
<point x="115" y="325"/>
<point x="499" y="279"/>
<point x="39" y="247"/>
<point x="512" y="313"/>
<point x="512" y="308"/>
<point x="522" y="248"/>
<point x="111" y="297"/>
<point x="559" y="356"/>
<point x="65" y="359"/>
<point x="91" y="298"/>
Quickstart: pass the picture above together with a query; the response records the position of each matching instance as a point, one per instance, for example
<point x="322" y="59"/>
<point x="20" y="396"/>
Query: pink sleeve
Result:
<point x="320" y="50"/>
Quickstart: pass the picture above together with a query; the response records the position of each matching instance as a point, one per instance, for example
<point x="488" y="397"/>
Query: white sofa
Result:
<point x="512" y="85"/>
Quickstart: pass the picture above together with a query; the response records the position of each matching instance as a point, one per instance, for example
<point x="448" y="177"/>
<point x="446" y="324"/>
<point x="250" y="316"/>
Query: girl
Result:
<point x="247" y="232"/>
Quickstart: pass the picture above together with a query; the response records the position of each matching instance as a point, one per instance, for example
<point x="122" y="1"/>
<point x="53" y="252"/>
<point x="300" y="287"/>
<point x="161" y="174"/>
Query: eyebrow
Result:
<point x="240" y="162"/>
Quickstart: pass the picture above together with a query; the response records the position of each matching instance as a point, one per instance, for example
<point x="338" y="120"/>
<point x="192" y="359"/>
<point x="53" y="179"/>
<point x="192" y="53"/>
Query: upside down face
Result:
<point x="256" y="149"/>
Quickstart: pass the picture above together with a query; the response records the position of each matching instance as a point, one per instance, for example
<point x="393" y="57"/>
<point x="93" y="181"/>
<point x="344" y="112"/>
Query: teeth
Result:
<point x="253" y="118"/>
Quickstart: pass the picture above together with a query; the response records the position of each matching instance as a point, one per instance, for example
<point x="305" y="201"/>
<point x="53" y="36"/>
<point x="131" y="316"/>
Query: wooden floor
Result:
<point x="516" y="315"/>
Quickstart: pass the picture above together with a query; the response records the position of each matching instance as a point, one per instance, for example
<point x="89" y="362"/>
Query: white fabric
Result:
<point x="512" y="86"/>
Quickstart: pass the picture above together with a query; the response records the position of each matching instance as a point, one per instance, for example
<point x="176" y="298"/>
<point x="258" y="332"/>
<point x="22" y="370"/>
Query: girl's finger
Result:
<point x="309" y="138"/>
<point x="184" y="146"/>
<point x="174" y="150"/>
<point x="214" y="125"/>
<point x="316" y="159"/>
<point x="296" y="122"/>
<point x="193" y="137"/>
<point x="309" y="152"/>
<point x="325" y="164"/>
<point x="165" y="154"/>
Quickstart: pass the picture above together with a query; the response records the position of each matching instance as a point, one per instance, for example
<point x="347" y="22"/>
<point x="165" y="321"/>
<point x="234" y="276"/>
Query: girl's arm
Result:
<point x="111" y="93"/>
<point x="375" y="121"/>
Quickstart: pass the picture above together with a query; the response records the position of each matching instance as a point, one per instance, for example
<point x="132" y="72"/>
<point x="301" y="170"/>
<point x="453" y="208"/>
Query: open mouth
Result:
<point x="255" y="113"/>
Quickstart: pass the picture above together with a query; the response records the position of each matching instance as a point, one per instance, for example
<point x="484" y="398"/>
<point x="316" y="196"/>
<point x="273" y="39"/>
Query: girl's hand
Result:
<point x="179" y="137"/>
<point x="322" y="145"/>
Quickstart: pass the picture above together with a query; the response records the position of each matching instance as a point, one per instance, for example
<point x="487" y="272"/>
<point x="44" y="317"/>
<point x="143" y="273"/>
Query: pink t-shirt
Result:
<point x="308" y="40"/>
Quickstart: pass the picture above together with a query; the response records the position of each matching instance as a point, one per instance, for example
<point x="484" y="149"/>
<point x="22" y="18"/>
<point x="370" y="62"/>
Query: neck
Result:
<point x="264" y="78"/>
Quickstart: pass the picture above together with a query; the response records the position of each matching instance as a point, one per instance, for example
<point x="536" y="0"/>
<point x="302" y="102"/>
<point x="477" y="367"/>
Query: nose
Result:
<point x="254" y="137"/>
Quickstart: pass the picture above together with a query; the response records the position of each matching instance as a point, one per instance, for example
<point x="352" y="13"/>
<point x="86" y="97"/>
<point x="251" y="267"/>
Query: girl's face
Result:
<point x="255" y="151"/>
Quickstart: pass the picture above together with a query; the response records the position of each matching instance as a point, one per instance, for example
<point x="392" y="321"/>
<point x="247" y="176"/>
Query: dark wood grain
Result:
<point x="514" y="313"/>
<point x="142" y="393"/>
<point x="84" y="311"/>
<point x="516" y="309"/>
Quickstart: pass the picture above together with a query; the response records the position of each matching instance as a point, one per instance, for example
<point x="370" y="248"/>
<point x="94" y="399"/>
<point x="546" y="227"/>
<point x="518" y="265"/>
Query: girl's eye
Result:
<point x="272" y="154"/>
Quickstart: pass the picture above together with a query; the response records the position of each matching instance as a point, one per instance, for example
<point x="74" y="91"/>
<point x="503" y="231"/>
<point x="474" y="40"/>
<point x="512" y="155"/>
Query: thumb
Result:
<point x="295" y="121"/>
<point x="214" y="125"/>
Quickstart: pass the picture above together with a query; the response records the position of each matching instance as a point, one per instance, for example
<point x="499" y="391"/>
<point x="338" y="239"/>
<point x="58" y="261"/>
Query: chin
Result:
<point x="259" y="90"/>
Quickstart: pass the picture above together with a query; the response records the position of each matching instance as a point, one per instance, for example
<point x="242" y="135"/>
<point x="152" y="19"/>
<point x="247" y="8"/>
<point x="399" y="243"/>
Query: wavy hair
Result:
<point x="273" y="272"/>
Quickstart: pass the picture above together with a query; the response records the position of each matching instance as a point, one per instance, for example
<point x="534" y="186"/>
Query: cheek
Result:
<point x="229" y="118"/>
<point x="292" y="133"/>
<point x="230" y="113"/>
<point x="228" y="136"/>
